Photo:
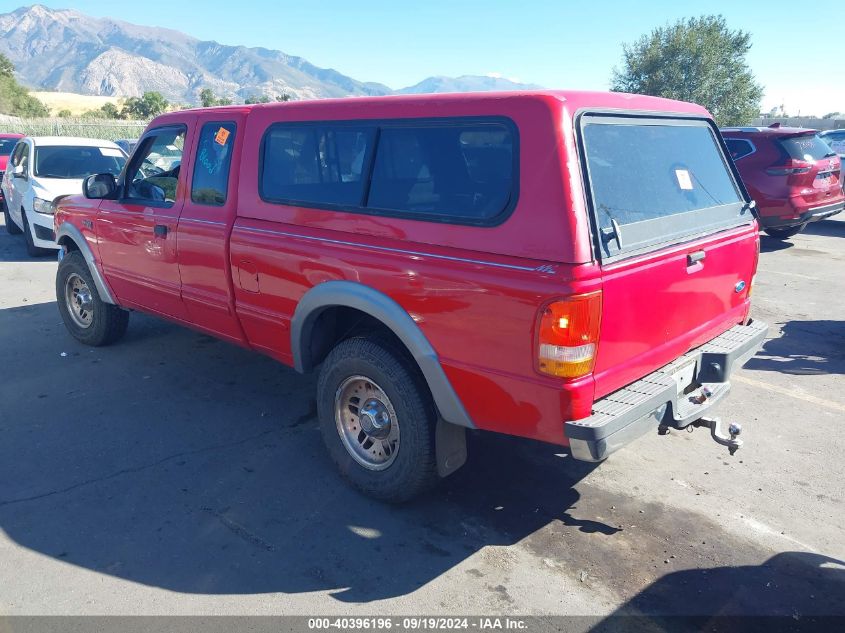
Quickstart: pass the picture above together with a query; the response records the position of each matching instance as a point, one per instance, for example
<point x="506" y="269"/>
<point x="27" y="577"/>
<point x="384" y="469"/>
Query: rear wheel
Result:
<point x="11" y="227"/>
<point x="783" y="234"/>
<point x="377" y="420"/>
<point x="87" y="317"/>
<point x="31" y="249"/>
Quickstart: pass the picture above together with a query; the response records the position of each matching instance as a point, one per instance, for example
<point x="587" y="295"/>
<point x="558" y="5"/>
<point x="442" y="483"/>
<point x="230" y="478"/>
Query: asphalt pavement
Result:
<point x="176" y="474"/>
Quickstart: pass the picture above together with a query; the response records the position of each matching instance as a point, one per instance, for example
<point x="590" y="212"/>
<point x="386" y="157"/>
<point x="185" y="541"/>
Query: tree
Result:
<point x="110" y="111"/>
<point x="14" y="98"/>
<point x="699" y="60"/>
<point x="208" y="99"/>
<point x="831" y="115"/>
<point x="64" y="114"/>
<point x="7" y="69"/>
<point x="256" y="99"/>
<point x="151" y="104"/>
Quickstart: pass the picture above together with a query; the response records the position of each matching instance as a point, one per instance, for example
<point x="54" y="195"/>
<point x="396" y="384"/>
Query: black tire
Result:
<point x="31" y="249"/>
<point x="11" y="227"/>
<point x="414" y="468"/>
<point x="786" y="233"/>
<point x="108" y="323"/>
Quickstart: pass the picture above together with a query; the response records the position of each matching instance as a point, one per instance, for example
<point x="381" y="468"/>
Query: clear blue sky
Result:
<point x="798" y="53"/>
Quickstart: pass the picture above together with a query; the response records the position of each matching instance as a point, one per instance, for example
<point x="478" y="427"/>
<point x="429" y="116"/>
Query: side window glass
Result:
<point x="451" y="172"/>
<point x="316" y="164"/>
<point x="154" y="172"/>
<point x="210" y="183"/>
<point x="462" y="171"/>
<point x="25" y="159"/>
<point x="738" y="148"/>
<point x="15" y="160"/>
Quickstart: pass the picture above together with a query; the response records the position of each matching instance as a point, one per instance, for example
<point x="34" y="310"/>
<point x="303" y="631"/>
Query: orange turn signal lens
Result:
<point x="568" y="334"/>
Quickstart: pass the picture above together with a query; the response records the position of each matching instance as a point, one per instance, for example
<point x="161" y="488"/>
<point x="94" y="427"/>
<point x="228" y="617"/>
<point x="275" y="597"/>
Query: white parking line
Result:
<point x="793" y="393"/>
<point x="780" y="272"/>
<point x="765" y="529"/>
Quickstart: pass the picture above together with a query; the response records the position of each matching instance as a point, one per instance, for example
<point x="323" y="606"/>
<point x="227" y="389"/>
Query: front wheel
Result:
<point x="11" y="227"/>
<point x="377" y="420"/>
<point x="783" y="234"/>
<point x="88" y="318"/>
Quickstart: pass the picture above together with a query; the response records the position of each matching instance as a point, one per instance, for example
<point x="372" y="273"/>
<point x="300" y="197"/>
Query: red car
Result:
<point x="570" y="267"/>
<point x="791" y="173"/>
<point x="7" y="144"/>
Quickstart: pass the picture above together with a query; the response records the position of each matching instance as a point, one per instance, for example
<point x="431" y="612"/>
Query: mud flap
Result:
<point x="451" y="447"/>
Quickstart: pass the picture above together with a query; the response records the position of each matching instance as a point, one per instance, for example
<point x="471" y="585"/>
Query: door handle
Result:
<point x="160" y="230"/>
<point x="694" y="258"/>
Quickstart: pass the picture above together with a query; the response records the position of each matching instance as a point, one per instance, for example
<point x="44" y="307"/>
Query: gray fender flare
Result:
<point x="380" y="306"/>
<point x="70" y="232"/>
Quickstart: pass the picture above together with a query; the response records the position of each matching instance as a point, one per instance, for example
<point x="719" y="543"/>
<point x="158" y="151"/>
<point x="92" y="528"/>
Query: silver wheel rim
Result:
<point x="366" y="422"/>
<point x="79" y="300"/>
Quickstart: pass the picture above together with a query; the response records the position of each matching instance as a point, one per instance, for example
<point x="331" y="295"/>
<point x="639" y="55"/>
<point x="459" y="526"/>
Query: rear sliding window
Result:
<point x="656" y="181"/>
<point x="447" y="170"/>
<point x="809" y="147"/>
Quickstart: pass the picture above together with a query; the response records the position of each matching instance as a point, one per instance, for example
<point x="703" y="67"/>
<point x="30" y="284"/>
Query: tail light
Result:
<point x="789" y="169"/>
<point x="568" y="334"/>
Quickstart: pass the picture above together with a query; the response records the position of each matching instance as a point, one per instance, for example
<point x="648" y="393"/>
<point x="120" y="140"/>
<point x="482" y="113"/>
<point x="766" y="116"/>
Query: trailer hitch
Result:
<point x="715" y="425"/>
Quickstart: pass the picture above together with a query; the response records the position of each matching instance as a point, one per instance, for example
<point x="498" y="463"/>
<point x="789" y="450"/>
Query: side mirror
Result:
<point x="99" y="187"/>
<point x="18" y="172"/>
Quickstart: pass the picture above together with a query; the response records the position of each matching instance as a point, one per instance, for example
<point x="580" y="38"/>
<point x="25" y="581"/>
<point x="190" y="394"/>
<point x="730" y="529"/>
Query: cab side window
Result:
<point x="153" y="175"/>
<point x="210" y="184"/>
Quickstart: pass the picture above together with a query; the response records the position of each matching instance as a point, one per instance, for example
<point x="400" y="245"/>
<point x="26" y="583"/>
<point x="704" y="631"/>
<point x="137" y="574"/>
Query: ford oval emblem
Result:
<point x="740" y="286"/>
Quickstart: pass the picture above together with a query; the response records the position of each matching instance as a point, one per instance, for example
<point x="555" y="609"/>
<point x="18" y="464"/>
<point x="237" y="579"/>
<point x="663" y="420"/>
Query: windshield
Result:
<point x="654" y="181"/>
<point x="7" y="145"/>
<point x="809" y="147"/>
<point x="836" y="140"/>
<point x="77" y="162"/>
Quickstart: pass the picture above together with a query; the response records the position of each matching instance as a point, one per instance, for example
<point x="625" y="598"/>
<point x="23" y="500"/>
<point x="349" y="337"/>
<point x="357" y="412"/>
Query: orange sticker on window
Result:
<point x="222" y="136"/>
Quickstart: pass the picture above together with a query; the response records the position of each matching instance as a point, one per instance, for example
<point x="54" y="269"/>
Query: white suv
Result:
<point x="43" y="168"/>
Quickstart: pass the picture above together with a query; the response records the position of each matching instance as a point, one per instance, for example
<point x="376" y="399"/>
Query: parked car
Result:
<point x="7" y="144"/>
<point x="44" y="168"/>
<point x="570" y="267"/>
<point x="836" y="140"/>
<point x="126" y="144"/>
<point x="792" y="174"/>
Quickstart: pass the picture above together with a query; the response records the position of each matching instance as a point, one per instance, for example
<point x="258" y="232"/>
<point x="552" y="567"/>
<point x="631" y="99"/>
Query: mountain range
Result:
<point x="63" y="49"/>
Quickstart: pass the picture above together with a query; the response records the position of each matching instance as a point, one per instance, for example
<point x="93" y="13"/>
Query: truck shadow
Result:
<point x="792" y="591"/>
<point x="804" y="348"/>
<point x="177" y="461"/>
<point x="826" y="228"/>
<point x="772" y="245"/>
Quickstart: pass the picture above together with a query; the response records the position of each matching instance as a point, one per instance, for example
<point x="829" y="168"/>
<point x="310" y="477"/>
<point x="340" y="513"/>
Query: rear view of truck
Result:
<point x="677" y="242"/>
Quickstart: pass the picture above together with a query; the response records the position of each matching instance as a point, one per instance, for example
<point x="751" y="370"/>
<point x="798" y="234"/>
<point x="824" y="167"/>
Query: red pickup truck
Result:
<point x="570" y="267"/>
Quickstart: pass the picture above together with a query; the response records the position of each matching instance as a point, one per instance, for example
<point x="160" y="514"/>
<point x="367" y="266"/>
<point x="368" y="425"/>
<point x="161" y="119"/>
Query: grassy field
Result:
<point x="77" y="104"/>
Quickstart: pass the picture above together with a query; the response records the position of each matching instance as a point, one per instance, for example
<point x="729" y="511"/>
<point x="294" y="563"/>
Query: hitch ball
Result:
<point x="714" y="424"/>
